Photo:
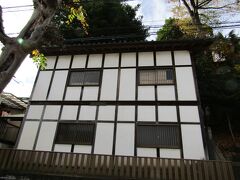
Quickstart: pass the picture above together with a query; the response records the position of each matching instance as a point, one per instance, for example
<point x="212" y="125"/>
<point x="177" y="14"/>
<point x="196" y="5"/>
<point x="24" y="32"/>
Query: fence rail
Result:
<point x="17" y="162"/>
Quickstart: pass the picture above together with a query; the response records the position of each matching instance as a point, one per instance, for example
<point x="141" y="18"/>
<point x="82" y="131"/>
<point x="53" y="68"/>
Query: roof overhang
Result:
<point x="86" y="48"/>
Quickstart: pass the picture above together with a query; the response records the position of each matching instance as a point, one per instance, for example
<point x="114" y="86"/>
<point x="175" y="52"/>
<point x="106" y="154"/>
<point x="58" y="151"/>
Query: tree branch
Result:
<point x="219" y="7"/>
<point x="3" y="37"/>
<point x="187" y="6"/>
<point x="204" y="3"/>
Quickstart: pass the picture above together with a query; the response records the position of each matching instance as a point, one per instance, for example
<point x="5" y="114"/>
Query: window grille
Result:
<point x="166" y="136"/>
<point x="84" y="78"/>
<point x="159" y="76"/>
<point x="75" y="133"/>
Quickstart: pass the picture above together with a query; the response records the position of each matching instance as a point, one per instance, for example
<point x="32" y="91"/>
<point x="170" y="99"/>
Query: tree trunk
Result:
<point x="32" y="34"/>
<point x="12" y="56"/>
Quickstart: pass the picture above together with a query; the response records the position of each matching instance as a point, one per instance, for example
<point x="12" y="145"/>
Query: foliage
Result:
<point x="206" y="12"/>
<point x="181" y="29"/>
<point x="105" y="18"/>
<point x="39" y="59"/>
<point x="170" y="30"/>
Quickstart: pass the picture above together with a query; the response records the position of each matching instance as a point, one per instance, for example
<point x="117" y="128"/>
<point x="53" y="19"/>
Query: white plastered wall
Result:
<point x="147" y="152"/>
<point x="167" y="113"/>
<point x="127" y="84"/>
<point x="106" y="113"/>
<point x="163" y="58"/>
<point x="166" y="93"/>
<point x="146" y="93"/>
<point x="104" y="138"/>
<point x="73" y="93"/>
<point x="109" y="84"/>
<point x="128" y="60"/>
<point x="42" y="85"/>
<point x="95" y="61"/>
<point x="126" y="113"/>
<point x="46" y="136"/>
<point x="69" y="112"/>
<point x="185" y="84"/>
<point x="58" y="85"/>
<point x="87" y="113"/>
<point x="145" y="59"/>
<point x="90" y="93"/>
<point x="63" y="62"/>
<point x="51" y="60"/>
<point x="182" y="58"/>
<point x="52" y="112"/>
<point x="79" y="61"/>
<point x="192" y="142"/>
<point x="34" y="112"/>
<point x="125" y="139"/>
<point x="146" y="113"/>
<point x="111" y="60"/>
<point x="28" y="135"/>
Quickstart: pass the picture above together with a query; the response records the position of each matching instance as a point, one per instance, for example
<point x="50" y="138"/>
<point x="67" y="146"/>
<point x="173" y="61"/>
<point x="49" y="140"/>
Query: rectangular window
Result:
<point x="75" y="133"/>
<point x="158" y="76"/>
<point x="165" y="136"/>
<point x="81" y="78"/>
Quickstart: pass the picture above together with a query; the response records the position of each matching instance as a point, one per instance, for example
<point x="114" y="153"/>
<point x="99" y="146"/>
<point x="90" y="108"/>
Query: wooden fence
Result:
<point x="16" y="162"/>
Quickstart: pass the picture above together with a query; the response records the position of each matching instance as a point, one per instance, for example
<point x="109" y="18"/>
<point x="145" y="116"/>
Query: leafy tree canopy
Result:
<point x="105" y="18"/>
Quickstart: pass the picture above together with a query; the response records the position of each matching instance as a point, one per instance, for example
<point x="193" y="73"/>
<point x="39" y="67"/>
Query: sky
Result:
<point x="154" y="12"/>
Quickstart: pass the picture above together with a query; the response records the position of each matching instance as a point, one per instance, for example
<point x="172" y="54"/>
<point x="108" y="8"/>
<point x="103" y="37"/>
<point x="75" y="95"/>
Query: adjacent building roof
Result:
<point x="11" y="101"/>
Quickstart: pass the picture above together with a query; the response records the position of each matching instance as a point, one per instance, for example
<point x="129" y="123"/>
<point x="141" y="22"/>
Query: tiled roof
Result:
<point x="76" y="46"/>
<point x="12" y="101"/>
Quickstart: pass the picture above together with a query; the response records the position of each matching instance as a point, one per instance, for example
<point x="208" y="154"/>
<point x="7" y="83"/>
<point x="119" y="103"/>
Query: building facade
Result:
<point x="132" y="99"/>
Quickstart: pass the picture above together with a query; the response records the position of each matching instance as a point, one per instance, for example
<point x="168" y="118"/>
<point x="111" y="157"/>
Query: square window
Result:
<point x="84" y="78"/>
<point x="75" y="133"/>
<point x="165" y="136"/>
<point x="153" y="77"/>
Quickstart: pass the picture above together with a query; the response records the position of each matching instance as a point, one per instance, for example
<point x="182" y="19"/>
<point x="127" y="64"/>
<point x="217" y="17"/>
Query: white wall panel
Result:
<point x="106" y="113"/>
<point x="62" y="147"/>
<point x="95" y="61"/>
<point x="104" y="138"/>
<point x="128" y="60"/>
<point x="182" y="58"/>
<point x="90" y="93"/>
<point x="42" y="85"/>
<point x="79" y="61"/>
<point x="125" y="139"/>
<point x="147" y="152"/>
<point x="185" y="83"/>
<point x="189" y="114"/>
<point x="51" y="62"/>
<point x="46" y="136"/>
<point x="145" y="59"/>
<point x="34" y="112"/>
<point x="87" y="112"/>
<point x="126" y="113"/>
<point x="82" y="149"/>
<point x="58" y="85"/>
<point x="127" y="84"/>
<point x="167" y="113"/>
<point x="28" y="135"/>
<point x="166" y="93"/>
<point x="111" y="60"/>
<point x="73" y="93"/>
<point x="146" y="93"/>
<point x="192" y="142"/>
<point x="51" y="112"/>
<point x="170" y="153"/>
<point x="146" y="113"/>
<point x="63" y="62"/>
<point x="163" y="58"/>
<point x="69" y="112"/>
<point x="109" y="84"/>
